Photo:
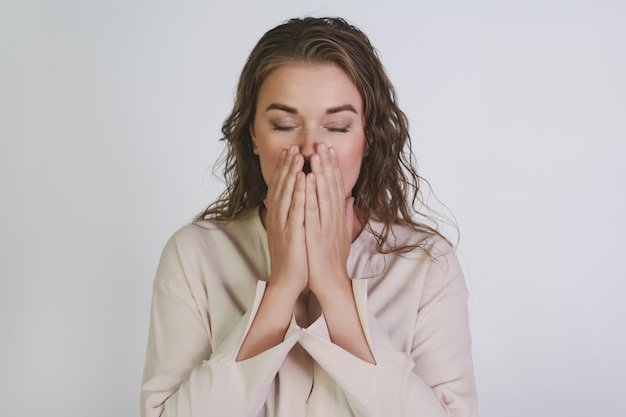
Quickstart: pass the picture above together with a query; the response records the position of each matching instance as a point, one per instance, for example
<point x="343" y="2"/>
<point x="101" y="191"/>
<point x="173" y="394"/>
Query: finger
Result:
<point x="325" y="195"/>
<point x="298" y="199"/>
<point x="271" y="186"/>
<point x="283" y="183"/>
<point x="336" y="173"/>
<point x="282" y="164"/>
<point x="311" y="212"/>
<point x="286" y="186"/>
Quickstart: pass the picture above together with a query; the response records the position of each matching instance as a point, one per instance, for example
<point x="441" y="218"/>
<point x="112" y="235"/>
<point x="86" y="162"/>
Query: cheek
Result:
<point x="350" y="168"/>
<point x="268" y="162"/>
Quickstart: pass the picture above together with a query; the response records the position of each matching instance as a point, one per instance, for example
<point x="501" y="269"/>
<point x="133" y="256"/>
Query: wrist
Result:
<point x="332" y="294"/>
<point x="285" y="294"/>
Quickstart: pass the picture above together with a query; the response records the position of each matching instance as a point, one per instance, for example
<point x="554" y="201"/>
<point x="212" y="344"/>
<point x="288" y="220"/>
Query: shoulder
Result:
<point x="208" y="248"/>
<point x="429" y="256"/>
<point x="193" y="236"/>
<point x="205" y="231"/>
<point x="414" y="242"/>
<point x="208" y="239"/>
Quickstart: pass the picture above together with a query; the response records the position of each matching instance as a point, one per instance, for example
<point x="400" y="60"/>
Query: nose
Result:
<point x="307" y="142"/>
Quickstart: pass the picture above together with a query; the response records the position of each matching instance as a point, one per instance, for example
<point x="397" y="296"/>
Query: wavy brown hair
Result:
<point x="388" y="187"/>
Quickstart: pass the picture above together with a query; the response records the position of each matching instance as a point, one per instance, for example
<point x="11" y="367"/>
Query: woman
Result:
<point x="307" y="288"/>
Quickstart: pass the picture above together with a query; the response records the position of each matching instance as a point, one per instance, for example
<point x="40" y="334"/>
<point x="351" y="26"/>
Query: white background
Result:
<point x="110" y="119"/>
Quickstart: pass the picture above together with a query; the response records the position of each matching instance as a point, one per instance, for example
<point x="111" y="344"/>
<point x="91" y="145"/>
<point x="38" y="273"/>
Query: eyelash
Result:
<point x="330" y="129"/>
<point x="284" y="128"/>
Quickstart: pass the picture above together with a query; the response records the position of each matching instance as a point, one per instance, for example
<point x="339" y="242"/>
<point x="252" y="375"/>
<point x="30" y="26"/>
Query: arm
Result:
<point x="270" y="323"/>
<point x="434" y="379"/>
<point x="330" y="226"/>
<point x="284" y="223"/>
<point x="185" y="374"/>
<point x="342" y="318"/>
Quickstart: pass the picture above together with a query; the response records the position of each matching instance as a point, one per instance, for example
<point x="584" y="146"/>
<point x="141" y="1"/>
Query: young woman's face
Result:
<point x="306" y="104"/>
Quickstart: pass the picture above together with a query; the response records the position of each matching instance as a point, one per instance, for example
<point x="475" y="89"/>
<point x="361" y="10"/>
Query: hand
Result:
<point x="328" y="223"/>
<point x="284" y="223"/>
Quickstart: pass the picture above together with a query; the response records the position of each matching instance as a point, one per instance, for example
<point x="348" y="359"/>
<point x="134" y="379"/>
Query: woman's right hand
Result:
<point x="284" y="223"/>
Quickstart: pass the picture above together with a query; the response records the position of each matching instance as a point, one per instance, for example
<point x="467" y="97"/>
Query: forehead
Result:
<point x="309" y="85"/>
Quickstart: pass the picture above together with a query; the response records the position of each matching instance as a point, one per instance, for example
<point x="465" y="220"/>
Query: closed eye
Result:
<point x="283" y="128"/>
<point x="338" y="129"/>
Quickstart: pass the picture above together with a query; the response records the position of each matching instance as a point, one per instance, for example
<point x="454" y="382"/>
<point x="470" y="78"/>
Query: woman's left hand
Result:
<point x="328" y="224"/>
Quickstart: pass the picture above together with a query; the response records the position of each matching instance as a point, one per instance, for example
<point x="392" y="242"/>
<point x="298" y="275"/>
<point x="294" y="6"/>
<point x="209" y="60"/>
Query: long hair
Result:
<point x="388" y="187"/>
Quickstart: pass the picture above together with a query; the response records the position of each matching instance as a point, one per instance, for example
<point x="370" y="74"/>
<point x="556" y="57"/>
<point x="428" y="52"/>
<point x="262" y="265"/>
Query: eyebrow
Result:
<point x="283" y="107"/>
<point x="292" y="110"/>
<point x="345" y="107"/>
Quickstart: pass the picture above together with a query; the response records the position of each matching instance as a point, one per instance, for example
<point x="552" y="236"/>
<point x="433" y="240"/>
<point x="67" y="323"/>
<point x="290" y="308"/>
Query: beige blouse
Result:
<point x="209" y="284"/>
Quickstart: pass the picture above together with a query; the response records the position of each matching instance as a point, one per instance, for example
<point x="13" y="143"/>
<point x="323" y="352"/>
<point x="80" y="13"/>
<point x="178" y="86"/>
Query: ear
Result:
<point x="255" y="148"/>
<point x="366" y="148"/>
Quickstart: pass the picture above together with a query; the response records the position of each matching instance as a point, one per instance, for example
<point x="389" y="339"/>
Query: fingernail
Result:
<point x="292" y="149"/>
<point x="322" y="147"/>
<point x="332" y="151"/>
<point x="315" y="159"/>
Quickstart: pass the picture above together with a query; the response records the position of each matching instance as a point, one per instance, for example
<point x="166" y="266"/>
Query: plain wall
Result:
<point x="110" y="119"/>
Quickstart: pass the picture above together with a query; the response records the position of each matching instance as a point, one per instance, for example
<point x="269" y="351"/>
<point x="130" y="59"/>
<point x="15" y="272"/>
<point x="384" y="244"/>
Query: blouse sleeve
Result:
<point x="435" y="379"/>
<point x="184" y="375"/>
